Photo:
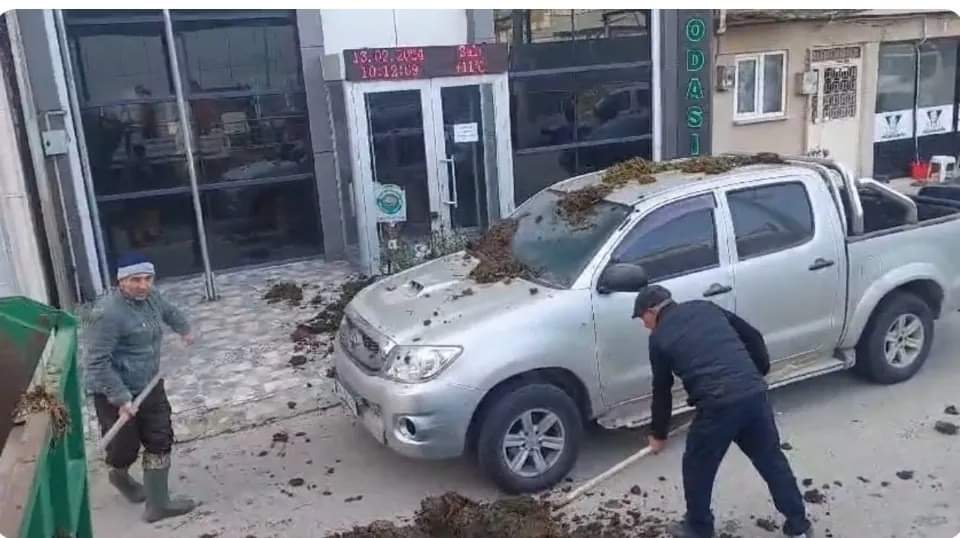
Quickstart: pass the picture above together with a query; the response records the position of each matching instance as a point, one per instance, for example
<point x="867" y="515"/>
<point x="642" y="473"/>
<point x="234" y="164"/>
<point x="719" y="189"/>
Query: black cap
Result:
<point x="649" y="297"/>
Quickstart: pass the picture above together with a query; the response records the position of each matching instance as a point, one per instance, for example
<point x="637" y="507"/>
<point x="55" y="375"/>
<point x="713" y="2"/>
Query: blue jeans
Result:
<point x="749" y="423"/>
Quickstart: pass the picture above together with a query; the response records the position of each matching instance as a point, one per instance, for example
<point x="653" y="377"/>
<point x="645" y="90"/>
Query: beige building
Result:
<point x="873" y="89"/>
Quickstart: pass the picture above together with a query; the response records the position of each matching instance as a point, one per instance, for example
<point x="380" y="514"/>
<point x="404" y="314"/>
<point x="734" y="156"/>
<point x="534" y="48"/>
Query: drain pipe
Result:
<point x="916" y="88"/>
<point x="210" y="285"/>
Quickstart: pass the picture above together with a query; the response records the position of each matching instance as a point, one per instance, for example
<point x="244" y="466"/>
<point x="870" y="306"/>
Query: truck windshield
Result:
<point x="553" y="247"/>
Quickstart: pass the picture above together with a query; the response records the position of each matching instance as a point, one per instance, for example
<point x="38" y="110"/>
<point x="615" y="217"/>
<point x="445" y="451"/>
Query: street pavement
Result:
<point x="849" y="437"/>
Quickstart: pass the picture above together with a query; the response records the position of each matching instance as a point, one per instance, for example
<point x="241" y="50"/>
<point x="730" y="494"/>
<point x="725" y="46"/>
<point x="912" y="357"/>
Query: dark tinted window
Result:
<point x="771" y="218"/>
<point x="676" y="239"/>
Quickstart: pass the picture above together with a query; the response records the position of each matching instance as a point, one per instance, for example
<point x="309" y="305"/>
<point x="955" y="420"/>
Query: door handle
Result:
<point x="453" y="182"/>
<point x="821" y="263"/>
<point x="717" y="289"/>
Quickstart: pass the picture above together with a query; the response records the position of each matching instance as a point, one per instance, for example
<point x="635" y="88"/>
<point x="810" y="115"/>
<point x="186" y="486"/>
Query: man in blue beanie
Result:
<point x="123" y="356"/>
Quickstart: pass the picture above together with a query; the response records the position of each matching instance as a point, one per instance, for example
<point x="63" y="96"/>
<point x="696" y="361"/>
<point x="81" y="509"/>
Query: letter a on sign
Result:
<point x="694" y="89"/>
<point x="695" y="59"/>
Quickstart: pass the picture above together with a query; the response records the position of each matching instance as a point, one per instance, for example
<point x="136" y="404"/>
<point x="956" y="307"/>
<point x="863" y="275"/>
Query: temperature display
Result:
<point x="424" y="62"/>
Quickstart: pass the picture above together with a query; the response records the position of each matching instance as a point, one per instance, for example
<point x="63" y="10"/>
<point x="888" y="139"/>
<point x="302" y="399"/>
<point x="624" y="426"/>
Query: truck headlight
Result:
<point x="414" y="364"/>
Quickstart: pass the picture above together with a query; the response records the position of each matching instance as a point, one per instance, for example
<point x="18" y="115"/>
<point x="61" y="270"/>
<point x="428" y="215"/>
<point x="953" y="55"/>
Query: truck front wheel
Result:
<point x="530" y="438"/>
<point x="896" y="342"/>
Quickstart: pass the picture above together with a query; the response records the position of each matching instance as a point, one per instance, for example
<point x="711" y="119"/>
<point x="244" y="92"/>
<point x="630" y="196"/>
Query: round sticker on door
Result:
<point x="391" y="203"/>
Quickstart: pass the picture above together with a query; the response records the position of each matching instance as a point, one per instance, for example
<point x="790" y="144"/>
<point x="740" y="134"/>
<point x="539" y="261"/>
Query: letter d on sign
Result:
<point x="695" y="60"/>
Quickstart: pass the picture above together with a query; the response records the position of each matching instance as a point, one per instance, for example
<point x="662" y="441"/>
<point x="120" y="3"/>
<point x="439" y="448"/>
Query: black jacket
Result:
<point x="718" y="356"/>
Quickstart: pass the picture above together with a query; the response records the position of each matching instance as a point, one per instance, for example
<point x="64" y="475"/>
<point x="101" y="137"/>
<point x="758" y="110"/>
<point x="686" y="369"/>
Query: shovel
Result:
<point x="590" y="484"/>
<point x="123" y="419"/>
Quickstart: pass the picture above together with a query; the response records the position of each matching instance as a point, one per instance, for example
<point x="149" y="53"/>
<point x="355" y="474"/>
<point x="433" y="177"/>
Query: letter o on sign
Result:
<point x="695" y="29"/>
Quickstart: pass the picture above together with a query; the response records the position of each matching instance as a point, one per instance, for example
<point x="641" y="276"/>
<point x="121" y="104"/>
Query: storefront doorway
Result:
<point x="435" y="164"/>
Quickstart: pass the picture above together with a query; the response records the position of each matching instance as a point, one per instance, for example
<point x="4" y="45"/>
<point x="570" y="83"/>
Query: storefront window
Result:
<point x="916" y="104"/>
<point x="579" y="91"/>
<point x="241" y="75"/>
<point x="120" y="56"/>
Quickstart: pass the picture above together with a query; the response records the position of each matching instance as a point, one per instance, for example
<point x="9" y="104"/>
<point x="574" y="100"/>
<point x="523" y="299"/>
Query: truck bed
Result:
<point x="891" y="248"/>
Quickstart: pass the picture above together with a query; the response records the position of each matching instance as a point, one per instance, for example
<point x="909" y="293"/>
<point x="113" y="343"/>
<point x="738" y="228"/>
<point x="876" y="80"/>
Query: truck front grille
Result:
<point x="361" y="347"/>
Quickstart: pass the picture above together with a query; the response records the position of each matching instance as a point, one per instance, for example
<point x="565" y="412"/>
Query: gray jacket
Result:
<point x="124" y="350"/>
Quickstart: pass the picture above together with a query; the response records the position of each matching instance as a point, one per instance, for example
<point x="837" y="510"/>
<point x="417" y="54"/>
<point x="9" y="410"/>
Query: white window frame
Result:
<point x="758" y="94"/>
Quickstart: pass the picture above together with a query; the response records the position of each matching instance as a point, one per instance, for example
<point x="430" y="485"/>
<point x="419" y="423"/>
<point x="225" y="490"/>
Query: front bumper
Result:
<point x="419" y="420"/>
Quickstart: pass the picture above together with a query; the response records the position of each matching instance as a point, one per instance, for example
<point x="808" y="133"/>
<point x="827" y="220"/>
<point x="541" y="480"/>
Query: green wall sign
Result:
<point x="694" y="47"/>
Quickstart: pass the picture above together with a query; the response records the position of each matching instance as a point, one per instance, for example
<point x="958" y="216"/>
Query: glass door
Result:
<point x="396" y="149"/>
<point x="432" y="170"/>
<point x="473" y="165"/>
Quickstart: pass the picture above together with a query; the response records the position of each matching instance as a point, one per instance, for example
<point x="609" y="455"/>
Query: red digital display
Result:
<point x="424" y="62"/>
<point x="387" y="64"/>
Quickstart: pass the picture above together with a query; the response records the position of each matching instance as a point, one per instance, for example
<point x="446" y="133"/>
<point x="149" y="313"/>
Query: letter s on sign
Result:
<point x="695" y="116"/>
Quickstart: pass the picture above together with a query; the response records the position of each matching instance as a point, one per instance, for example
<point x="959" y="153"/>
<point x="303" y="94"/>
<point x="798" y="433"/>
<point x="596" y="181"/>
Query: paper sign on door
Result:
<point x="465" y="132"/>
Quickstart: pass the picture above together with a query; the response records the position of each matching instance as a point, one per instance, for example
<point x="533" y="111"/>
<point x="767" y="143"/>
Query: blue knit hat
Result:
<point x="133" y="263"/>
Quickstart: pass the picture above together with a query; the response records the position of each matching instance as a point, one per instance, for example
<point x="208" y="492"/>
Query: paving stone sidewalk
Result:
<point x="238" y="372"/>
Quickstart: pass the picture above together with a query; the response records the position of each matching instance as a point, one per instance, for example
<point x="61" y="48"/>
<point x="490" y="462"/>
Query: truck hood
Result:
<point x="431" y="302"/>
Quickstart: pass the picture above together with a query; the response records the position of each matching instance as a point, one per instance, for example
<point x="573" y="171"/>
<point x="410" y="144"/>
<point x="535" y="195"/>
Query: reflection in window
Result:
<point x="938" y="72"/>
<point x="676" y="239"/>
<point x="579" y="91"/>
<point x="519" y="26"/>
<point x="896" y="77"/>
<point x="135" y="147"/>
<point x="770" y="218"/>
<point x="250" y="225"/>
<point x="119" y="57"/>
<point x="161" y="227"/>
<point x="239" y="54"/>
<point x="240" y="138"/>
<point x="243" y="82"/>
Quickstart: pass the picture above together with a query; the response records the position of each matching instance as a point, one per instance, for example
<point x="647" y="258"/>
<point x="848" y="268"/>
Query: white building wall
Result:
<point x="371" y="28"/>
<point x="21" y="264"/>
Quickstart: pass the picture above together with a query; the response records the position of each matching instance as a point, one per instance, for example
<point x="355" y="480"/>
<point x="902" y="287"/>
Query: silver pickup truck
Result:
<point x="836" y="273"/>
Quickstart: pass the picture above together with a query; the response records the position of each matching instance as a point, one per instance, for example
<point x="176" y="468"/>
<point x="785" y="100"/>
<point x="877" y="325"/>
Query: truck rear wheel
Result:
<point x="896" y="342"/>
<point x="530" y="438"/>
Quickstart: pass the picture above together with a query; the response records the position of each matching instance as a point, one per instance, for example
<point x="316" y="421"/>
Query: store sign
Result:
<point x="693" y="83"/>
<point x="403" y="63"/>
<point x="391" y="203"/>
<point x="898" y="124"/>
<point x="894" y="125"/>
<point x="934" y="120"/>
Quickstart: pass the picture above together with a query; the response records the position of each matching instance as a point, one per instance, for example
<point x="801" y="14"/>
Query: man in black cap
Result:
<point x="721" y="360"/>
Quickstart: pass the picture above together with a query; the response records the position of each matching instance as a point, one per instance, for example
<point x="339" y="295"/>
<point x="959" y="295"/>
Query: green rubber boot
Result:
<point x="126" y="485"/>
<point x="156" y="485"/>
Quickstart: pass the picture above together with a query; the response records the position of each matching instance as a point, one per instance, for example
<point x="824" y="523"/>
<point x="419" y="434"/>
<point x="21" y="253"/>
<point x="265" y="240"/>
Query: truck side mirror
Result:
<point x="622" y="277"/>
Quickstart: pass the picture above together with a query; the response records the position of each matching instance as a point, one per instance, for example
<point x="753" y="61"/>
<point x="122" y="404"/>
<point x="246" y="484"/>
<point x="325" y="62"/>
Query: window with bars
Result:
<point x="839" y="93"/>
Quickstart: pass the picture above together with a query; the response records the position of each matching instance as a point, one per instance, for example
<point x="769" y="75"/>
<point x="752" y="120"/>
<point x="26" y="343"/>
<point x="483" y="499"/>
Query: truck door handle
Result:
<point x="821" y="263"/>
<point x="717" y="289"/>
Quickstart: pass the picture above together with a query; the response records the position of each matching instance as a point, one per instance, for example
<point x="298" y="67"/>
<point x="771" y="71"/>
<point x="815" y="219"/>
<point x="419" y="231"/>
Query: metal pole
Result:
<point x="210" y="283"/>
<point x="82" y="147"/>
<point x="657" y="104"/>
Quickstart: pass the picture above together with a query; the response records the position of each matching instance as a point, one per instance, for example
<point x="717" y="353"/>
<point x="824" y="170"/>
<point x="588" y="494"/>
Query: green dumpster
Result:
<point x="43" y="468"/>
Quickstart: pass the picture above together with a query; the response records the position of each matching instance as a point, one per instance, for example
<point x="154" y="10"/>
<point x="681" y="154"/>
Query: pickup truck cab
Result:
<point x="836" y="273"/>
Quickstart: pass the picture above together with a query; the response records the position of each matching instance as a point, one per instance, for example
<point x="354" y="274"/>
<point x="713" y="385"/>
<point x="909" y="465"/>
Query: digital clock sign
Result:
<point x="405" y="63"/>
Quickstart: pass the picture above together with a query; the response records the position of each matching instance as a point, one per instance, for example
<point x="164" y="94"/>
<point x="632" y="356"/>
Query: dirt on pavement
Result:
<point x="327" y="321"/>
<point x="290" y="292"/>
<point x="453" y="515"/>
